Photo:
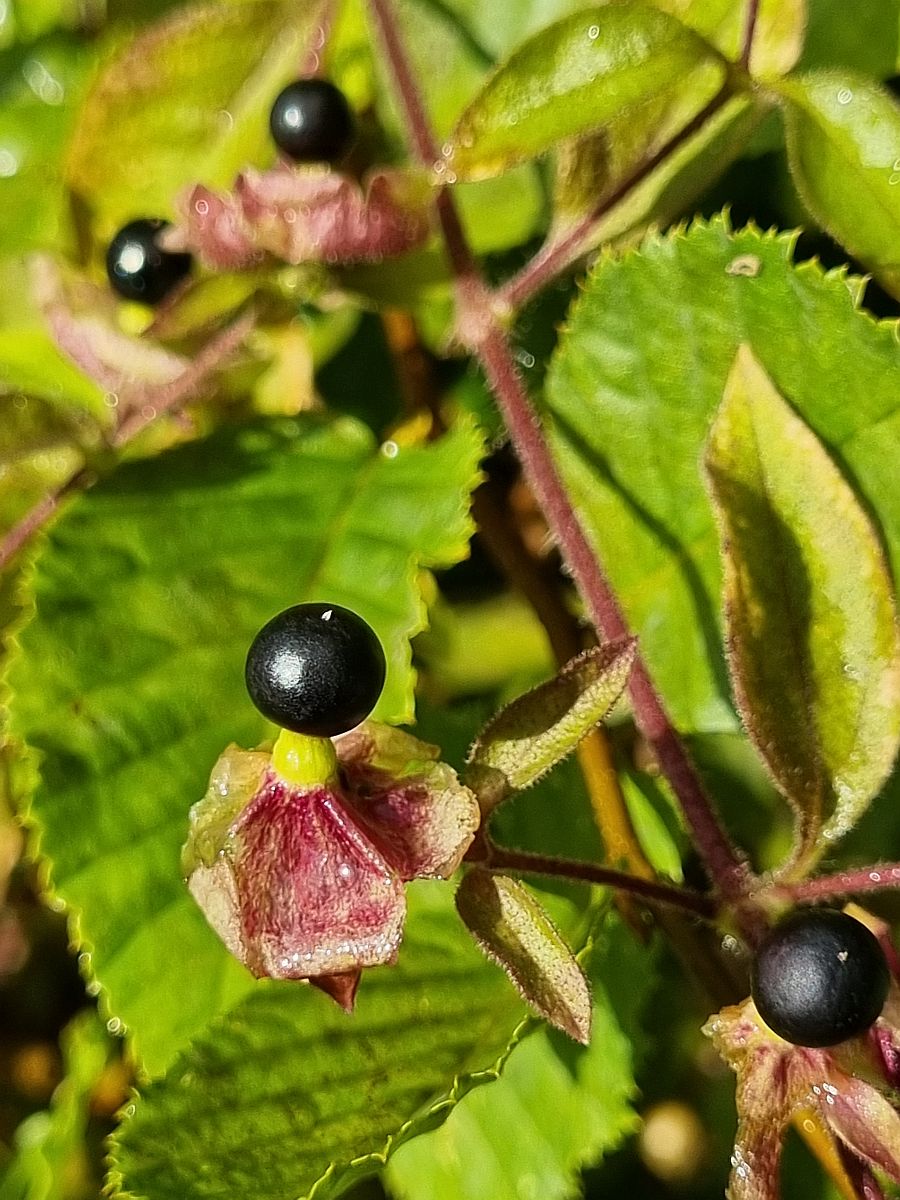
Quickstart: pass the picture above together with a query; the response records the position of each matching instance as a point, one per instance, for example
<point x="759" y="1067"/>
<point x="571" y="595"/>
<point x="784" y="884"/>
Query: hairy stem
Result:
<point x="506" y="545"/>
<point x="877" y="878"/>
<point x="480" y="332"/>
<point x="558" y="255"/>
<point x="38" y="516"/>
<point x="521" y="861"/>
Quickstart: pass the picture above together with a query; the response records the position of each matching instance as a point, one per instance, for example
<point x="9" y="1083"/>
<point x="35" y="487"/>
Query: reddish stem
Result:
<point x="499" y="858"/>
<point x="479" y="330"/>
<point x="749" y="33"/>
<point x="877" y="878"/>
<point x="556" y="256"/>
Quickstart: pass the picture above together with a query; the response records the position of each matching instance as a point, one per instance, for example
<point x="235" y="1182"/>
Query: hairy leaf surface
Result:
<point x="129" y="682"/>
<point x="811" y="626"/>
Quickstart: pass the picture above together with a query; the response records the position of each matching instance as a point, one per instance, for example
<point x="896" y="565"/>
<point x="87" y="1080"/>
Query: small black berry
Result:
<point x="819" y="978"/>
<point x="138" y="268"/>
<point x="311" y="121"/>
<point x="317" y="669"/>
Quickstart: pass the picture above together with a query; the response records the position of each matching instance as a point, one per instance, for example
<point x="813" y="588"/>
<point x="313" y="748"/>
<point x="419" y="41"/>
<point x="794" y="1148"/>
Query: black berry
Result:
<point x="311" y="121"/>
<point x="138" y="268"/>
<point x="317" y="669"/>
<point x="819" y="978"/>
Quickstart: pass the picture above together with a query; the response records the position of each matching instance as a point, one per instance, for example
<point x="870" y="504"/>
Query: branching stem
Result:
<point x="480" y="332"/>
<point x="750" y="21"/>
<point x="878" y="878"/>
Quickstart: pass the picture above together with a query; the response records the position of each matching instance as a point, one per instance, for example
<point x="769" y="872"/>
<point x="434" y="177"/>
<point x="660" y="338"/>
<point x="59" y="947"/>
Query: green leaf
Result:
<point x="843" y="138"/>
<point x="811" y="626"/>
<point x="533" y="733"/>
<point x="41" y="87"/>
<point x="631" y="394"/>
<point x="778" y="35"/>
<point x="287" y="1097"/>
<point x="50" y="1146"/>
<point x="129" y="680"/>
<point x="574" y="78"/>
<point x="186" y="101"/>
<point x="556" y="1108"/>
<point x="516" y="932"/>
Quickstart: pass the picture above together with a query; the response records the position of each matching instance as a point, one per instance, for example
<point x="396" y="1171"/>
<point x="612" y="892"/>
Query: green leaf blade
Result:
<point x="288" y="1096"/>
<point x="537" y="730"/>
<point x="185" y="101"/>
<point x="575" y="77"/>
<point x="811" y="626"/>
<point x="843" y="137"/>
<point x="144" y="613"/>
<point x="653" y="337"/>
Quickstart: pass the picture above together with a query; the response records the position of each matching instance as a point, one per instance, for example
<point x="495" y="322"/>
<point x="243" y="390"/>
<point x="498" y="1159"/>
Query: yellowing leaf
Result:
<point x="810" y="616"/>
<point x="533" y="733"/>
<point x="843" y="137"/>
<point x="514" y="930"/>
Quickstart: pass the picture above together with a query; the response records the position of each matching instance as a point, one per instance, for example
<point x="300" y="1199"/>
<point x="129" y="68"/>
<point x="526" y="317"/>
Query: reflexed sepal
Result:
<point x="536" y="731"/>
<point x="301" y="875"/>
<point x="513" y="929"/>
<point x="844" y="1086"/>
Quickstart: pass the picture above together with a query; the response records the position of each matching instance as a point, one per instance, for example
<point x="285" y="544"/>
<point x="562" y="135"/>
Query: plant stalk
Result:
<point x="478" y="329"/>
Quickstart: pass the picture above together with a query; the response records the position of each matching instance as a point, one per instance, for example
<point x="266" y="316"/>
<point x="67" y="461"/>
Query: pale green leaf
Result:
<point x="778" y="35"/>
<point x="843" y="137"/>
<point x="811" y="626"/>
<point x="186" y="101"/>
<point x="289" y="1097"/>
<point x="129" y="679"/>
<point x="533" y="733"/>
<point x="574" y="78"/>
<point x="631" y="395"/>
<point x="556" y="1107"/>
<point x="516" y="932"/>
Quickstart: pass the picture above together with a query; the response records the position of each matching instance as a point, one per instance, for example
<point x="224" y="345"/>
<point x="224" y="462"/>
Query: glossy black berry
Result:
<point x="317" y="669"/>
<point x="819" y="978"/>
<point x="311" y="121"/>
<point x="138" y="268"/>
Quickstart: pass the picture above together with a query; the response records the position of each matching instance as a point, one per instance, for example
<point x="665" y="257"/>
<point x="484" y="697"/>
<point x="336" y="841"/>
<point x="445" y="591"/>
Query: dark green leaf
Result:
<point x="811" y="627"/>
<point x="574" y="78"/>
<point x="843" y="136"/>
<point x="129" y="682"/>
<point x="288" y="1097"/>
<point x="556" y="1107"/>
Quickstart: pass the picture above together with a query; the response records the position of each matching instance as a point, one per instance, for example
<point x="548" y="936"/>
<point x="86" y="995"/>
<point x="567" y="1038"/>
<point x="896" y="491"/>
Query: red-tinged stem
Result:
<point x="749" y="32"/>
<point x="525" y="863"/>
<point x="878" y="878"/>
<point x="861" y="1179"/>
<point x="479" y="330"/>
<point x="558" y="255"/>
<point x="151" y="403"/>
<point x="145" y="406"/>
<point x="38" y="516"/>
